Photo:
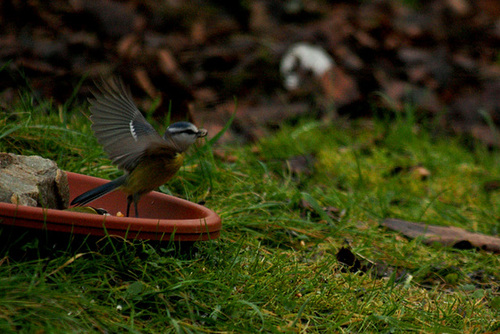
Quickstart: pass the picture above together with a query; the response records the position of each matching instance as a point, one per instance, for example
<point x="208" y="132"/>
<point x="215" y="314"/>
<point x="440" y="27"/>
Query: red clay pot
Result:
<point x="162" y="217"/>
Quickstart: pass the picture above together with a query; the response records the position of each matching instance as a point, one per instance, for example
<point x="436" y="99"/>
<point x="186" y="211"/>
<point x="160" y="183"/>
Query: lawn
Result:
<point x="290" y="205"/>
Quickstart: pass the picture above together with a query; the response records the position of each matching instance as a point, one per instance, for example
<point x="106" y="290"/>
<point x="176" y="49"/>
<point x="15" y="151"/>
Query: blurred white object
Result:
<point x="304" y="57"/>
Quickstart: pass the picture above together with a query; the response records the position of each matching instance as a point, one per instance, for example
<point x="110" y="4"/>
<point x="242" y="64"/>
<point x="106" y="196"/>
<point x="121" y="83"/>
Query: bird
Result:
<point x="147" y="159"/>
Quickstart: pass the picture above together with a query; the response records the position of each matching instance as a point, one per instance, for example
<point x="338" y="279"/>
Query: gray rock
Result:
<point x="32" y="181"/>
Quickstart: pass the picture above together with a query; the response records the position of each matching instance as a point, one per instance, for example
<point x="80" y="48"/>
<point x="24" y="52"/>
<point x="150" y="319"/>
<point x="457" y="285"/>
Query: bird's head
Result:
<point x="183" y="134"/>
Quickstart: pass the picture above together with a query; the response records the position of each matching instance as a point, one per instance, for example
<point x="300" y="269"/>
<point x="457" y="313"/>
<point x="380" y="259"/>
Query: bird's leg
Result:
<point x="136" y="200"/>
<point x="129" y="201"/>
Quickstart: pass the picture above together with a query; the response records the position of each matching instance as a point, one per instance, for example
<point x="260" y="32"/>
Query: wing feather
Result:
<point x="120" y="127"/>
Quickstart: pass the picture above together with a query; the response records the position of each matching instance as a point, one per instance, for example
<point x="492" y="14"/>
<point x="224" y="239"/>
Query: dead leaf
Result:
<point x="460" y="7"/>
<point x="225" y="155"/>
<point x="339" y="86"/>
<point x="447" y="235"/>
<point x="255" y="149"/>
<point x="199" y="32"/>
<point x="416" y="171"/>
<point x="39" y="66"/>
<point x="128" y="46"/>
<point x="166" y="60"/>
<point x="143" y="80"/>
<point x="421" y="172"/>
<point x="485" y="134"/>
<point x="301" y="164"/>
<point x="260" y="18"/>
<point x="490" y="186"/>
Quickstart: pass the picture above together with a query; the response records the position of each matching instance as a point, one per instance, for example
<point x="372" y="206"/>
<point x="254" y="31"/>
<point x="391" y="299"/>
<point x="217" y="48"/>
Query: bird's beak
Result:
<point x="202" y="132"/>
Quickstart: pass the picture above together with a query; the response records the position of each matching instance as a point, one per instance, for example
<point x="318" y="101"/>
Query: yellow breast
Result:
<point x="152" y="172"/>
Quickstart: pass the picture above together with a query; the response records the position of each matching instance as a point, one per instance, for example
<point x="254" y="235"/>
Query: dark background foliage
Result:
<point x="196" y="58"/>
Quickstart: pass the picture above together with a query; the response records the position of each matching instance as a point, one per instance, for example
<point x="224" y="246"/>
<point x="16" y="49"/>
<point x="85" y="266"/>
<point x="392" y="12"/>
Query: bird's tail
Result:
<point x="98" y="192"/>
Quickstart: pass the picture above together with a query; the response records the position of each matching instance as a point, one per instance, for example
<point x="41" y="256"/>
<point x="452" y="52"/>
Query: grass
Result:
<point x="275" y="267"/>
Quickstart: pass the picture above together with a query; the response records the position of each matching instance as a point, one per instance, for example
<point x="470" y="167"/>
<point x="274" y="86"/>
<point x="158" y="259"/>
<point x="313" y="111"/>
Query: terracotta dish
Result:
<point x="162" y="217"/>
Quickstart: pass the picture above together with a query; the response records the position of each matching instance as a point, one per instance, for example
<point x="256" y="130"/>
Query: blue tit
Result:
<point x="148" y="159"/>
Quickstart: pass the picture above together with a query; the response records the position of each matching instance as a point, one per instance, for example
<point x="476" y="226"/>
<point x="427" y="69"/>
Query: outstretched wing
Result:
<point x="119" y="126"/>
